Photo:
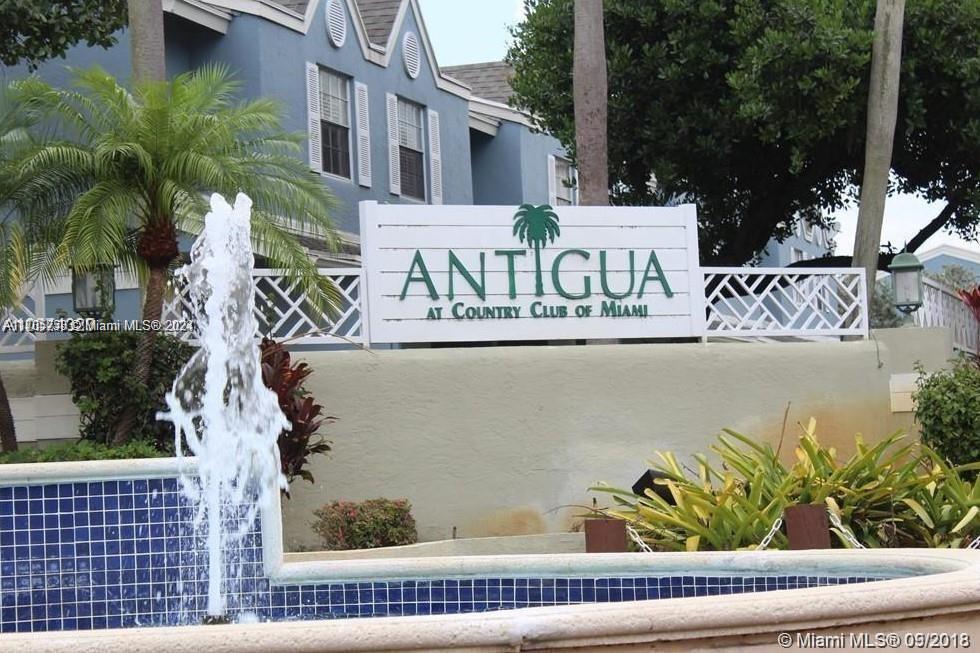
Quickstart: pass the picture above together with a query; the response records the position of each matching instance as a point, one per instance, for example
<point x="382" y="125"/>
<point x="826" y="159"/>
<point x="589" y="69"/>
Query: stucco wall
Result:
<point x="496" y="440"/>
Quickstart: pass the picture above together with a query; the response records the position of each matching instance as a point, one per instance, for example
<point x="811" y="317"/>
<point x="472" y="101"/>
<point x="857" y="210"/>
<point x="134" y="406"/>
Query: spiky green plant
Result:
<point x="887" y="494"/>
<point x="536" y="225"/>
<point x="138" y="166"/>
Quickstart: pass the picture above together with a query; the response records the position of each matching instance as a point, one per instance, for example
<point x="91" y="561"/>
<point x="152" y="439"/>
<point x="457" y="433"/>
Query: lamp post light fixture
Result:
<point x="906" y="273"/>
<point x="93" y="290"/>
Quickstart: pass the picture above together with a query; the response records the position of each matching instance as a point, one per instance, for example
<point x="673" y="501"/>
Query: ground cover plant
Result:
<point x="891" y="494"/>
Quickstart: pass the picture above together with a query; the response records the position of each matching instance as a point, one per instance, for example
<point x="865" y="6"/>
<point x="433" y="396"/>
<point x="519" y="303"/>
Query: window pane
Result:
<point x="563" y="182"/>
<point x="409" y="125"/>
<point x="335" y="149"/>
<point x="413" y="177"/>
<point x="334" y="99"/>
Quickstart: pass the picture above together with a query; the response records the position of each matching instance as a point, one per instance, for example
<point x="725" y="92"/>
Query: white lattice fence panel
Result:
<point x="942" y="307"/>
<point x="31" y="306"/>
<point x="283" y="311"/>
<point x="785" y="302"/>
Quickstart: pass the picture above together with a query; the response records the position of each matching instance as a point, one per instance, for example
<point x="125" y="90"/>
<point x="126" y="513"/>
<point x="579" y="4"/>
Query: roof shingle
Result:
<point x="299" y="6"/>
<point x="378" y="17"/>
<point x="490" y="81"/>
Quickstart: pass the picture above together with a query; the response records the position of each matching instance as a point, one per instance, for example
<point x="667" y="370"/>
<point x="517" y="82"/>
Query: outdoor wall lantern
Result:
<point x="906" y="282"/>
<point x="93" y="291"/>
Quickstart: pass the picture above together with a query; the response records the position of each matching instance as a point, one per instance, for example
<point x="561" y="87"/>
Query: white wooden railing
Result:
<point x="283" y="312"/>
<point x="780" y="303"/>
<point x="31" y="306"/>
<point x="740" y="303"/>
<point x="942" y="307"/>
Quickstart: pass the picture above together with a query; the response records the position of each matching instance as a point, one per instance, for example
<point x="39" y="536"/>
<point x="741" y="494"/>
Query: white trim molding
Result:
<point x="202" y="13"/>
<point x="951" y="251"/>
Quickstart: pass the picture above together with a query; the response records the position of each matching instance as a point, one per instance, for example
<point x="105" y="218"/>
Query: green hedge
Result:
<point x="82" y="450"/>
<point x="947" y="407"/>
<point x="99" y="367"/>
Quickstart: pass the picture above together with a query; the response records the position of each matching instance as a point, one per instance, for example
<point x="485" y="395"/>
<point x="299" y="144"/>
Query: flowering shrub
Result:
<point x="370" y="524"/>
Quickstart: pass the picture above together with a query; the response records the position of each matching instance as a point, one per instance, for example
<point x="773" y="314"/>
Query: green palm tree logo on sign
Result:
<point x="536" y="225"/>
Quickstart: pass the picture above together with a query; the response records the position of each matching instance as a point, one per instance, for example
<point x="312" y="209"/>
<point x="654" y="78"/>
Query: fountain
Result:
<point x="87" y="546"/>
<point x="221" y="411"/>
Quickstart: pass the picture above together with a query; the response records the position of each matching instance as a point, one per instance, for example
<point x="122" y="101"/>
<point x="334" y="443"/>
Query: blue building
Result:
<point x="937" y="259"/>
<point x="385" y="122"/>
<point x="806" y="242"/>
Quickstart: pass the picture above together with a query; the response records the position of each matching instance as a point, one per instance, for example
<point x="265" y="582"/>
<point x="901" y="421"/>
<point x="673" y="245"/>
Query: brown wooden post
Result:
<point x="807" y="527"/>
<point x="605" y="536"/>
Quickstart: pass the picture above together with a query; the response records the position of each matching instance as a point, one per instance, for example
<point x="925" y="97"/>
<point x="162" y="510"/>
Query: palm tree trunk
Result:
<point x="538" y="284"/>
<point x="886" y="64"/>
<point x="152" y="311"/>
<point x="589" y="86"/>
<point x="8" y="436"/>
<point x="146" y="40"/>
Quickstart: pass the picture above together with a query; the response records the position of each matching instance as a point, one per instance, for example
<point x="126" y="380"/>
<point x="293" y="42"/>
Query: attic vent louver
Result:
<point x="336" y="22"/>
<point x="411" y="54"/>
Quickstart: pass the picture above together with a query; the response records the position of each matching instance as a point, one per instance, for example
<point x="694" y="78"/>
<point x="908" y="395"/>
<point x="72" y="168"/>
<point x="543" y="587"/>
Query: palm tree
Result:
<point x="12" y="136"/>
<point x="589" y="88"/>
<point x="139" y="166"/>
<point x="16" y="119"/>
<point x="536" y="225"/>
<point x="146" y="39"/>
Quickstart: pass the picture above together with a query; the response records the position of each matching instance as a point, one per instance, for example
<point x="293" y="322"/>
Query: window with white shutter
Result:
<point x="435" y="157"/>
<point x="363" y="134"/>
<point x="313" y="114"/>
<point x="394" y="152"/>
<point x="411" y="150"/>
<point x="335" y="123"/>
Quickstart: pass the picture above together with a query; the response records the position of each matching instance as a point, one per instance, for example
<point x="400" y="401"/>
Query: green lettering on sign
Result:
<point x="510" y="254"/>
<point x="479" y="288"/>
<point x="556" y="276"/>
<point x="418" y="262"/>
<point x="605" y="283"/>
<point x="655" y="262"/>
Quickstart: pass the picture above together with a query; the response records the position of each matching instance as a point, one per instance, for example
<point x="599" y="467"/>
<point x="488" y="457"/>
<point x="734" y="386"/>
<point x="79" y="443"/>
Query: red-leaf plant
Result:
<point x="285" y="378"/>
<point x="972" y="300"/>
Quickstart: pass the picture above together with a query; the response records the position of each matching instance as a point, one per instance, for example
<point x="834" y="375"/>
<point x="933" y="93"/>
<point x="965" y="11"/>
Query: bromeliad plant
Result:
<point x="889" y="494"/>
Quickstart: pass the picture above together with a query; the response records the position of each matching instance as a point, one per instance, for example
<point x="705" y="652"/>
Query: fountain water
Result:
<point x="222" y="412"/>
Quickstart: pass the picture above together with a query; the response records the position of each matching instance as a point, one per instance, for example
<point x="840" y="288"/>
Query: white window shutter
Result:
<point x="394" y="163"/>
<point x="435" y="157"/>
<point x="363" y="134"/>
<point x="313" y="114"/>
<point x="575" y="186"/>
<point x="552" y="188"/>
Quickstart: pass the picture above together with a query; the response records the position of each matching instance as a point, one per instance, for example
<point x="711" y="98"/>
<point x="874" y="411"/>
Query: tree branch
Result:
<point x="935" y="225"/>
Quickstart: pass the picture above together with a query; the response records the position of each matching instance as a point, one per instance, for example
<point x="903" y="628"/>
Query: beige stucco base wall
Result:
<point x="40" y="398"/>
<point x="498" y="440"/>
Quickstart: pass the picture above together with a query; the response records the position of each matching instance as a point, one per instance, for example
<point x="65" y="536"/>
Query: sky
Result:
<point x="475" y="31"/>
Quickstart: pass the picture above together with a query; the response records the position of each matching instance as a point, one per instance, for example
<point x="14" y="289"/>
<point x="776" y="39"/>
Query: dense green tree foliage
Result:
<point x="756" y="110"/>
<point x="32" y="31"/>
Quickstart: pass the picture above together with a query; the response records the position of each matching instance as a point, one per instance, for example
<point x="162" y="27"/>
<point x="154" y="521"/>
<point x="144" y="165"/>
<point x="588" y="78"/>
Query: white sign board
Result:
<point x="484" y="273"/>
